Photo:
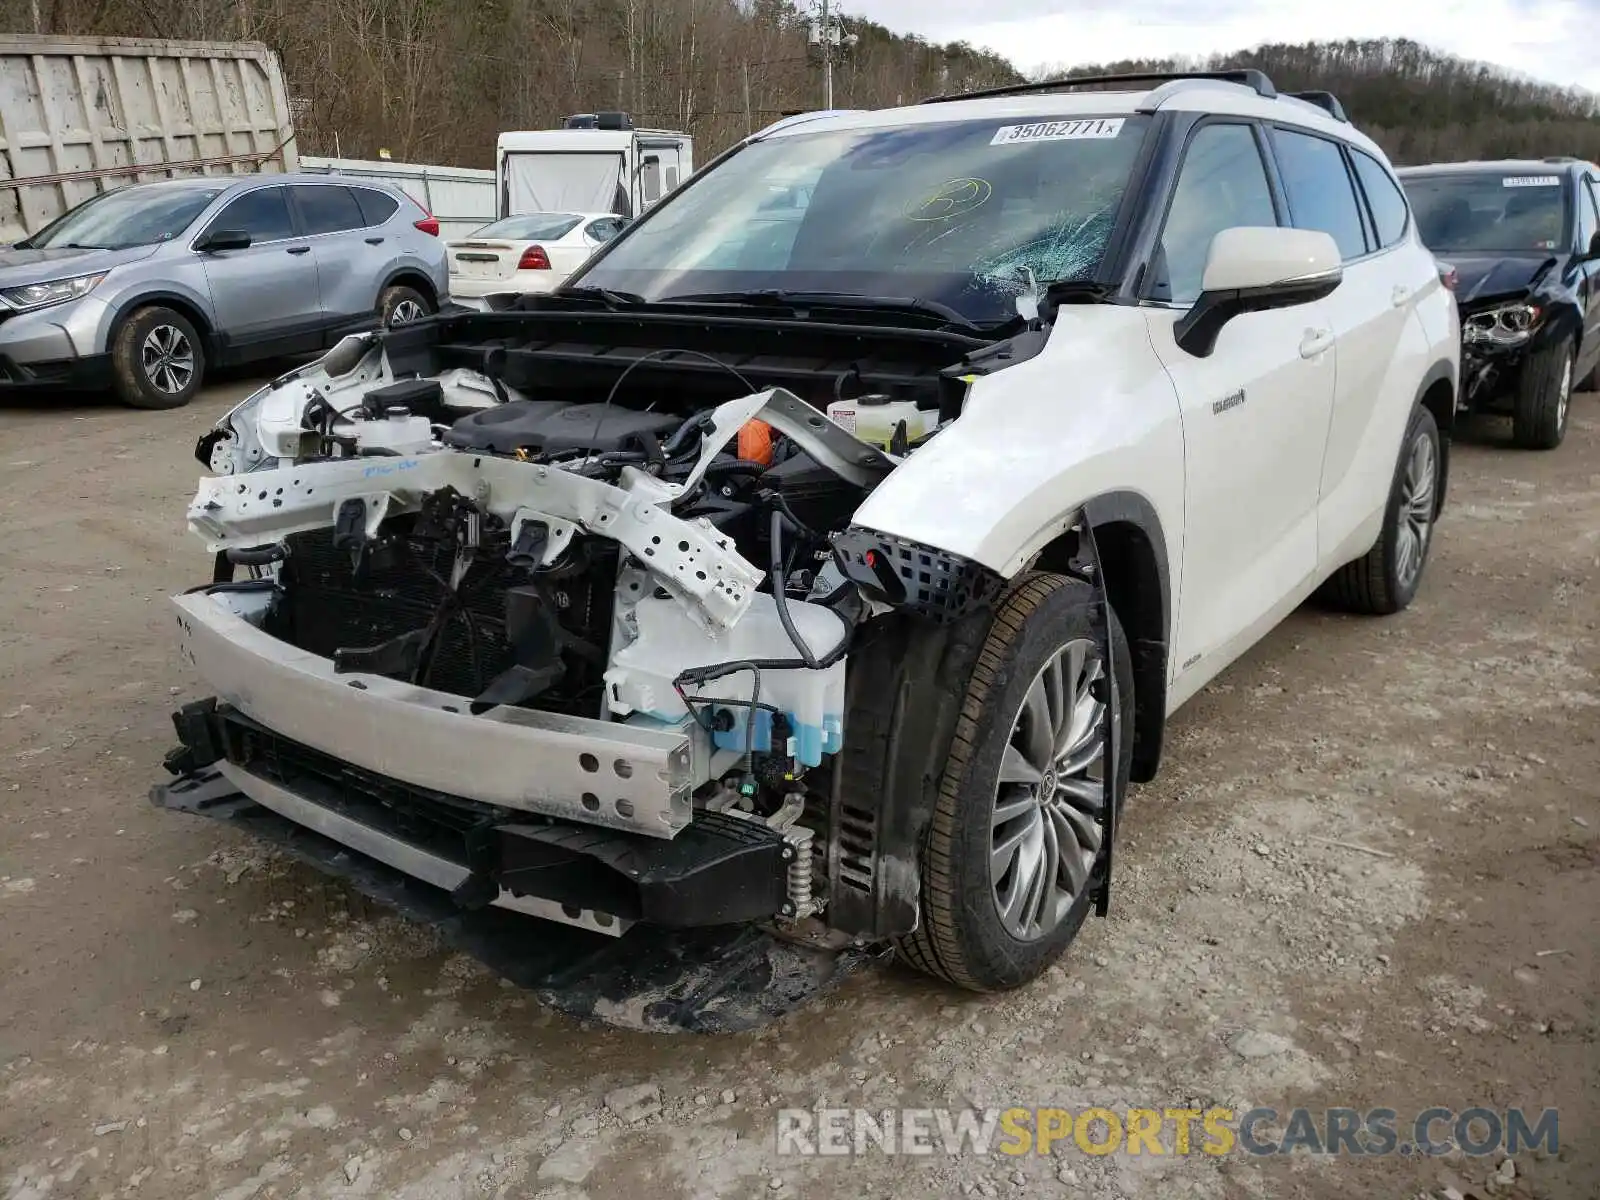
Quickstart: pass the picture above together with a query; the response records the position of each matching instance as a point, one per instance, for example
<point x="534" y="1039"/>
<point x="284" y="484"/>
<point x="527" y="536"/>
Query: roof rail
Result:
<point x="1560" y="158"/>
<point x="1326" y="101"/>
<point x="1249" y="77"/>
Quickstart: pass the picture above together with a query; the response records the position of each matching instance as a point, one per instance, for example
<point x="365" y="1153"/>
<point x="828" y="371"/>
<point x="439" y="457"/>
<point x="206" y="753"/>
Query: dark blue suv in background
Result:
<point x="1523" y="238"/>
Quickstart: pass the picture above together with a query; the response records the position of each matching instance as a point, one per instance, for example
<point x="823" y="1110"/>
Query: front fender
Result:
<point x="1094" y="413"/>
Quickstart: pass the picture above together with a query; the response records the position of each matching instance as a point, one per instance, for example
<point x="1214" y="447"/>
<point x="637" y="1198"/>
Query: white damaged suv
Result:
<point x="812" y="574"/>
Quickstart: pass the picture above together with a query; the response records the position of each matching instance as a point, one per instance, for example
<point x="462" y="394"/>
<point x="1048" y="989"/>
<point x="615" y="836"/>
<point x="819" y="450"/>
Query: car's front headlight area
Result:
<point x="1503" y="325"/>
<point x="53" y="291"/>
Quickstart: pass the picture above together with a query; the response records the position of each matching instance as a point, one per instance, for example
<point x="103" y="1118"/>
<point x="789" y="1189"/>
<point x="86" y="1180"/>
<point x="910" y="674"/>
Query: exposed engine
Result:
<point x="669" y="566"/>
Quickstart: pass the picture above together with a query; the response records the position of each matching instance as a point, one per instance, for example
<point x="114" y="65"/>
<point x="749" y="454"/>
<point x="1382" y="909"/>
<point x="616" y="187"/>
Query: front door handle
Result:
<point x="1315" y="342"/>
<point x="299" y="249"/>
<point x="1400" y="295"/>
<point x="377" y="241"/>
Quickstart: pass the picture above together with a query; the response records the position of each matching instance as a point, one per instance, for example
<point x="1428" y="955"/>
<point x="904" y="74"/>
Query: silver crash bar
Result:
<point x="619" y="776"/>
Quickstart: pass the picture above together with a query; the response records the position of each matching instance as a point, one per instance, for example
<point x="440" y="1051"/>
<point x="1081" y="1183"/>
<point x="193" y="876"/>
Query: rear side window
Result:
<point x="263" y="213"/>
<point x="1320" y="193"/>
<point x="376" y="207"/>
<point x="1222" y="184"/>
<point x="1384" y="198"/>
<point x="328" y="209"/>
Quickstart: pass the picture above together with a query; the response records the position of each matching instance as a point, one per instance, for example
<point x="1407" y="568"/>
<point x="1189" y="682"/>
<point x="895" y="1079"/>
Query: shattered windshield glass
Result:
<point x="955" y="212"/>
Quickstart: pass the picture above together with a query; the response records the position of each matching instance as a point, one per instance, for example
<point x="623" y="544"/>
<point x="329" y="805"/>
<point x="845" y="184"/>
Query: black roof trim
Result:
<point x="1247" y="77"/>
<point x="1326" y="101"/>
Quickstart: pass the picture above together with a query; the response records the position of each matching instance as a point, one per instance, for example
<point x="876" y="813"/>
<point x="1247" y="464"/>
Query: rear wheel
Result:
<point x="401" y="305"/>
<point x="157" y="359"/>
<point x="1012" y="853"/>
<point x="1385" y="579"/>
<point x="1544" y="394"/>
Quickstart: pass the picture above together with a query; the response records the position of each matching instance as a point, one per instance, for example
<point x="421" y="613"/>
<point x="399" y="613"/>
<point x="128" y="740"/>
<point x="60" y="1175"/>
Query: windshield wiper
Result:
<point x="608" y="297"/>
<point x="778" y="298"/>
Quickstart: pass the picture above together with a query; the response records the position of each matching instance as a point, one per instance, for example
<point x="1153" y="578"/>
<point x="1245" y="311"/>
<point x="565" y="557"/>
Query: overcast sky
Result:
<point x="1554" y="40"/>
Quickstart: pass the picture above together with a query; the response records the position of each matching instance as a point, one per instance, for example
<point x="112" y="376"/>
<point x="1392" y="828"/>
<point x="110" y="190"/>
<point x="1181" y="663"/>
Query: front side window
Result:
<point x="1488" y="212"/>
<point x="1318" y="186"/>
<point x="1588" y="216"/>
<point x="1222" y="184"/>
<point x="126" y="217"/>
<point x="328" y="209"/>
<point x="650" y="180"/>
<point x="1384" y="198"/>
<point x="263" y="214"/>
<point x="955" y="212"/>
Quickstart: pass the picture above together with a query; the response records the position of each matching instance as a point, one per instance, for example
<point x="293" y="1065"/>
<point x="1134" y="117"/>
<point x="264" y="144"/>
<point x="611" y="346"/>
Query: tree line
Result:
<point x="1419" y="104"/>
<point x="436" y="80"/>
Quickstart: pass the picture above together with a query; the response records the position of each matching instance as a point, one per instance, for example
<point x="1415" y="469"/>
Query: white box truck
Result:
<point x="82" y="115"/>
<point x="597" y="162"/>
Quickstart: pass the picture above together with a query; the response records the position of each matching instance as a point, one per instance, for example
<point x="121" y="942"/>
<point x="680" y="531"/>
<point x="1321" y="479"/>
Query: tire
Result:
<point x="158" y="359"/>
<point x="964" y="935"/>
<point x="1385" y="579"/>
<point x="1544" y="395"/>
<point x="401" y="305"/>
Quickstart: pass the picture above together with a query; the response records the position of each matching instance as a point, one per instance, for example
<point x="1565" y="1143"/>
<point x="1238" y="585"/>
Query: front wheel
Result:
<point x="1017" y="839"/>
<point x="158" y="359"/>
<point x="1385" y="579"/>
<point x="402" y="305"/>
<point x="1544" y="394"/>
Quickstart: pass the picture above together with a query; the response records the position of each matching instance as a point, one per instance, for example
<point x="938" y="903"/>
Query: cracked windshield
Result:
<point x="959" y="213"/>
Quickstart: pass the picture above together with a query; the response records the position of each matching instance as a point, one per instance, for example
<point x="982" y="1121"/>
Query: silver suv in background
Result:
<point x="144" y="287"/>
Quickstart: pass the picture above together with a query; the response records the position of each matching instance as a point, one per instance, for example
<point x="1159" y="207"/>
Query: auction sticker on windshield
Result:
<point x="1058" y="131"/>
<point x="1531" y="181"/>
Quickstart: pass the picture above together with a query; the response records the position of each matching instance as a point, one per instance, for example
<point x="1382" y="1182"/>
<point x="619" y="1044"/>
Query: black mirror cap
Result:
<point x="1594" y="246"/>
<point x="225" y="239"/>
<point x="1198" y="329"/>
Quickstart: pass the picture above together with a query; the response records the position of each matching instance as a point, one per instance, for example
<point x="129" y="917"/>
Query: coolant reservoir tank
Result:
<point x="874" y="419"/>
<point x="397" y="432"/>
<point x="669" y="641"/>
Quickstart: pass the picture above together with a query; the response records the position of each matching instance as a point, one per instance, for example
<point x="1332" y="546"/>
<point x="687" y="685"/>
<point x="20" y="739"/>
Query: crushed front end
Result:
<point x="519" y="652"/>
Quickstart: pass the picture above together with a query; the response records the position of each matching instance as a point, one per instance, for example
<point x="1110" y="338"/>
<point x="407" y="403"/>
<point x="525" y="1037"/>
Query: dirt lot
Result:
<point x="1368" y="875"/>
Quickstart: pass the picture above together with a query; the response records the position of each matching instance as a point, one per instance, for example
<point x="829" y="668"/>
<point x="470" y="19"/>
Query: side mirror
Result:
<point x="224" y="239"/>
<point x="1251" y="269"/>
<point x="1594" y="246"/>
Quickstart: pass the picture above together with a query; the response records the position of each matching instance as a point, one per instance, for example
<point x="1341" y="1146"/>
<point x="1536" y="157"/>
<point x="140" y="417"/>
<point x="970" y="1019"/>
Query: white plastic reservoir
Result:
<point x="669" y="642"/>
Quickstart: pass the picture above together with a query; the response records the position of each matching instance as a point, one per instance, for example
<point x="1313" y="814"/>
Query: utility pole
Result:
<point x="827" y="34"/>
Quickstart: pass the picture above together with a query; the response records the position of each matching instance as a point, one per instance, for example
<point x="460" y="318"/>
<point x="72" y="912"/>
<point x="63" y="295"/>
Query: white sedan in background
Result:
<point x="534" y="252"/>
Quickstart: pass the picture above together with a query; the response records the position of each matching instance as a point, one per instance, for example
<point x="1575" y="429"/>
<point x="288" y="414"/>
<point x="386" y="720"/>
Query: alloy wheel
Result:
<point x="405" y="312"/>
<point x="1564" y="393"/>
<point x="1416" y="510"/>
<point x="1045" y="830"/>
<point x="168" y="359"/>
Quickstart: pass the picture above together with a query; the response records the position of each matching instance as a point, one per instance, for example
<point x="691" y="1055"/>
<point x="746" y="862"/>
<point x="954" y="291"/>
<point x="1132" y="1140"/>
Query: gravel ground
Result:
<point x="1366" y="876"/>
